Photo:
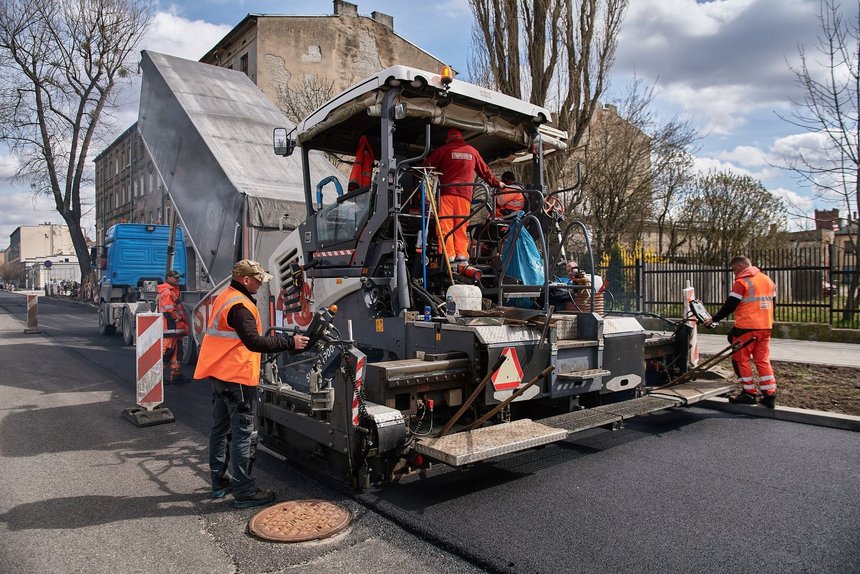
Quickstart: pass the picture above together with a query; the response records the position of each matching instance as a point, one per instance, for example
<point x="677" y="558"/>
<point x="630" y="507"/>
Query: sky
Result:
<point x="722" y="65"/>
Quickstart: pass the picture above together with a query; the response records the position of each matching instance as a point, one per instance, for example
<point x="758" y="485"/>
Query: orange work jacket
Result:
<point x="756" y="292"/>
<point x="362" y="170"/>
<point x="222" y="353"/>
<point x="171" y="307"/>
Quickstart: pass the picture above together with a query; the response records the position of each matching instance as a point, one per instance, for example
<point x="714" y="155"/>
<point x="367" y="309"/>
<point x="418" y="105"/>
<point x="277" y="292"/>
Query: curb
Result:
<point x="790" y="414"/>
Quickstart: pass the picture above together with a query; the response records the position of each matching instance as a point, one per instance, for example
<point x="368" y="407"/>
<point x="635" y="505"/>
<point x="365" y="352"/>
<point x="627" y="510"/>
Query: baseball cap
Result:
<point x="174" y="273"/>
<point x="248" y="268"/>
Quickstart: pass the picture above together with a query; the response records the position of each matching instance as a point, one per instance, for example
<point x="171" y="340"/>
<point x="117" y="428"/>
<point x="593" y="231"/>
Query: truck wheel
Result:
<point x="105" y="328"/>
<point x="189" y="350"/>
<point x="127" y="327"/>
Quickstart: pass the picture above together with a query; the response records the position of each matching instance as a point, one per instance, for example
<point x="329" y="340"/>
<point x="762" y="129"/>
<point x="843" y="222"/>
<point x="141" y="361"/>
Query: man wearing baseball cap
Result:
<point x="230" y="358"/>
<point x="175" y="322"/>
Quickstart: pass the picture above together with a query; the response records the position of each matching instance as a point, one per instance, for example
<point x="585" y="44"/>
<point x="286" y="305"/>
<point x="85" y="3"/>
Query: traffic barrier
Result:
<point x="689" y="294"/>
<point x="32" y="314"/>
<point x="149" y="373"/>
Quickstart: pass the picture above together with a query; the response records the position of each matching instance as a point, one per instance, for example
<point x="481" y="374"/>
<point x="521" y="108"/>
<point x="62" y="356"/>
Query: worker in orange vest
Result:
<point x="362" y="168"/>
<point x="751" y="299"/>
<point x="175" y="325"/>
<point x="230" y="358"/>
<point x="510" y="198"/>
<point x="458" y="162"/>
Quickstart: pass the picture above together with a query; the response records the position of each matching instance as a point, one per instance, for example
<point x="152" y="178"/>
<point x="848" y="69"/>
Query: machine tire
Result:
<point x="127" y="326"/>
<point x="104" y="327"/>
<point x="189" y="350"/>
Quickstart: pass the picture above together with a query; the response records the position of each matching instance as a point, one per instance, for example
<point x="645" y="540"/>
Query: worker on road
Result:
<point x="511" y="198"/>
<point x="230" y="358"/>
<point x="458" y="162"/>
<point x="175" y="322"/>
<point x="751" y="299"/>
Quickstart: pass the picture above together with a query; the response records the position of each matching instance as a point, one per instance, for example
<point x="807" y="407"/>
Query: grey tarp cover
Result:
<point x="209" y="132"/>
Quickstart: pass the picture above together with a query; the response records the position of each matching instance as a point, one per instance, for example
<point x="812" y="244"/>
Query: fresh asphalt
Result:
<point x="691" y="490"/>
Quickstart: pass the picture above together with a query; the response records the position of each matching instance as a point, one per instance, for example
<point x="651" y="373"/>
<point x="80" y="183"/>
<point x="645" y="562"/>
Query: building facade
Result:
<point x="42" y="253"/>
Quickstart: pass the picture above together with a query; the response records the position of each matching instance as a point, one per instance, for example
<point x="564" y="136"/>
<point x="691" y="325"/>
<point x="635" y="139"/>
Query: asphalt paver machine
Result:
<point x="414" y="361"/>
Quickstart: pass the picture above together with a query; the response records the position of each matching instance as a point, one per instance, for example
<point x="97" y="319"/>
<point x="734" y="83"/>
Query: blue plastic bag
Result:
<point x="526" y="263"/>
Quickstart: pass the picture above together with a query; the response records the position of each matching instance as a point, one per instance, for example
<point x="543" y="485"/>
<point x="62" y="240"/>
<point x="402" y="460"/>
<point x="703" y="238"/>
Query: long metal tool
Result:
<point x="731" y="349"/>
<point x="472" y="397"/>
<point x="509" y="400"/>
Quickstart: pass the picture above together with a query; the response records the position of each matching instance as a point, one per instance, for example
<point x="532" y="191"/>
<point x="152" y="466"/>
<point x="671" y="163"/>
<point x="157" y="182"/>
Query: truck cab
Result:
<point x="132" y="263"/>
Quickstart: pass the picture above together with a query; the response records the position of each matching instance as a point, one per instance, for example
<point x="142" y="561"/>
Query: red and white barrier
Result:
<point x="150" y="369"/>
<point x="32" y="314"/>
<point x="689" y="295"/>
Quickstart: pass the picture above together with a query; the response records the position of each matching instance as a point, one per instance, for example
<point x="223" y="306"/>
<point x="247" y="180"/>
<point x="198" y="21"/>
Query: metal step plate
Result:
<point x="640" y="406"/>
<point x="578" y="421"/>
<point x="487" y="442"/>
<point x="584" y="374"/>
<point x="695" y="391"/>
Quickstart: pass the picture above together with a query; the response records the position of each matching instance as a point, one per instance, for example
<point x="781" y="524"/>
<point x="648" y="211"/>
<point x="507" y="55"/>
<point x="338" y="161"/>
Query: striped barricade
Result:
<point x="149" y="373"/>
<point x="32" y="314"/>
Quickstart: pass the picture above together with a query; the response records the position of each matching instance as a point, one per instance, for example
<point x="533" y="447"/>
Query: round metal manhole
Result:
<point x="300" y="521"/>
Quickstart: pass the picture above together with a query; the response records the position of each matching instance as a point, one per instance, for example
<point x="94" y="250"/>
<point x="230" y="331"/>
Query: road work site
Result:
<point x="467" y="412"/>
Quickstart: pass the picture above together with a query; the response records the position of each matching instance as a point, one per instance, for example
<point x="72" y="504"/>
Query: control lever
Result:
<point x="319" y="325"/>
<point x="697" y="308"/>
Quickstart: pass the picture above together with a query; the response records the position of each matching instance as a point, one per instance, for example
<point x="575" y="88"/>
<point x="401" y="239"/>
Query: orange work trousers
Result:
<point x="758" y="352"/>
<point x="457" y="243"/>
<point x="170" y="349"/>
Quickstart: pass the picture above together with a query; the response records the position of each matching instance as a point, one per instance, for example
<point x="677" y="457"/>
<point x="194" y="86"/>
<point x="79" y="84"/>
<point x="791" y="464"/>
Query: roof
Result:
<point x="475" y="110"/>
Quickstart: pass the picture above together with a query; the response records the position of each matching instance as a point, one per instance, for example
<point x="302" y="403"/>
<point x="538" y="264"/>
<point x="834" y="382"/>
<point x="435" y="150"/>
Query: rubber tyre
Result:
<point x="189" y="350"/>
<point x="127" y="327"/>
<point x="104" y="327"/>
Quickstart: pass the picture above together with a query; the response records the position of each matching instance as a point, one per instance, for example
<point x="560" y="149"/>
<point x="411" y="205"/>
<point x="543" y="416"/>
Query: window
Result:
<point x="243" y="63"/>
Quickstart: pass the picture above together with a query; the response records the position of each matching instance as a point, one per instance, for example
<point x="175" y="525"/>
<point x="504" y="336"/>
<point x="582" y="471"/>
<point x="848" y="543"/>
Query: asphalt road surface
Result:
<point x="689" y="490"/>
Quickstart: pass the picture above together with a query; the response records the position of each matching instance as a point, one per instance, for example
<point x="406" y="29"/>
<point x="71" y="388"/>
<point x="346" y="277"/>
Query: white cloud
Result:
<point x="174" y="35"/>
<point x="745" y="155"/>
<point x="9" y="166"/>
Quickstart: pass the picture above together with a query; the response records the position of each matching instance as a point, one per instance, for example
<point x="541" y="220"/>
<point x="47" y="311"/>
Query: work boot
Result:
<point x="743" y="399"/>
<point x="179" y="379"/>
<point x="221" y="490"/>
<point x="769" y="401"/>
<point x="261" y="497"/>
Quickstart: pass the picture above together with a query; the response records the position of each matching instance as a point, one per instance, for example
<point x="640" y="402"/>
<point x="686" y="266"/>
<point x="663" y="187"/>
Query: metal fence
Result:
<point x="812" y="284"/>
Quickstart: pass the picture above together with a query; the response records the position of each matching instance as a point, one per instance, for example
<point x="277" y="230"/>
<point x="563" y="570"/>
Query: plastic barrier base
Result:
<point x="144" y="418"/>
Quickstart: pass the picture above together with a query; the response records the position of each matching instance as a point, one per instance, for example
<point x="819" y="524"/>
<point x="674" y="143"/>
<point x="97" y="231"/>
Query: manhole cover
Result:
<point x="300" y="521"/>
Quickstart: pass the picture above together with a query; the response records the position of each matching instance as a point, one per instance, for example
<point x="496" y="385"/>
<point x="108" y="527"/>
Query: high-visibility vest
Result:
<point x="755" y="310"/>
<point x="362" y="169"/>
<point x="170" y="305"/>
<point x="510" y="199"/>
<point x="222" y="354"/>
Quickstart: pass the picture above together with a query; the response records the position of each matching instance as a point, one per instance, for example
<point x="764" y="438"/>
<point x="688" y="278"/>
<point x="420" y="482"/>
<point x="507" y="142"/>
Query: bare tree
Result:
<point x="733" y="214"/>
<point x="830" y="107"/>
<point x="298" y="102"/>
<point x="558" y="51"/>
<point x="61" y="62"/>
<point x="635" y="164"/>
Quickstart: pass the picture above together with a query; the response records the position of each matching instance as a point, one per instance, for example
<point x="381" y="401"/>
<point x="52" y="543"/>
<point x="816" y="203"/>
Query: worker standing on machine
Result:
<point x="175" y="325"/>
<point x="230" y="358"/>
<point x="458" y="162"/>
<point x="751" y="300"/>
<point x="510" y="199"/>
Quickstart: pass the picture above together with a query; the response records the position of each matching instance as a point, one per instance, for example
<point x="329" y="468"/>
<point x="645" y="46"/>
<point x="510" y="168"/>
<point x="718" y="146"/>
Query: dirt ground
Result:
<point x="817" y="387"/>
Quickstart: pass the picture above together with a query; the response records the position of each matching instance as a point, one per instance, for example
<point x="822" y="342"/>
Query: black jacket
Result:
<point x="243" y="321"/>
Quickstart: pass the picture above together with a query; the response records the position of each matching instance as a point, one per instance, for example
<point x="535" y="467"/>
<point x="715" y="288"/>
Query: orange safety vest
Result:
<point x="756" y="292"/>
<point x="510" y="199"/>
<point x="222" y="354"/>
<point x="362" y="169"/>
<point x="170" y="305"/>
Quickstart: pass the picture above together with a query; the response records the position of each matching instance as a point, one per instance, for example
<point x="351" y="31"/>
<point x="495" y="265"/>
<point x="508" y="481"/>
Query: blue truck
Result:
<point x="133" y="261"/>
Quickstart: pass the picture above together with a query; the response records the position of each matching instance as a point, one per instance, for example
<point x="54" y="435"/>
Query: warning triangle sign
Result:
<point x="510" y="374"/>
